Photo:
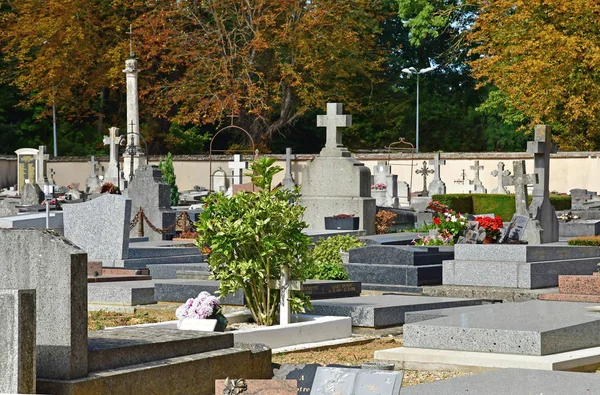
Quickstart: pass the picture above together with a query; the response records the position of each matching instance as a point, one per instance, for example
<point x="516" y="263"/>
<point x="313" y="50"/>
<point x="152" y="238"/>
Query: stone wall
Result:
<point x="568" y="170"/>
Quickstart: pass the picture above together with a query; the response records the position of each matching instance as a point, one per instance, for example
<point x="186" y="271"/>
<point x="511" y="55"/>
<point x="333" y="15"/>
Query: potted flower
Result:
<point x="379" y="186"/>
<point x="201" y="313"/>
<point x="492" y="228"/>
<point x="342" y="222"/>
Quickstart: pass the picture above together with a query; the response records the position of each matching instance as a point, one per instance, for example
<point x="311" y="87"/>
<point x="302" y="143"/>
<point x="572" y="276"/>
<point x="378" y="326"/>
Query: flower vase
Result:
<point x="198" y="324"/>
<point x="221" y="323"/>
<point x="488" y="240"/>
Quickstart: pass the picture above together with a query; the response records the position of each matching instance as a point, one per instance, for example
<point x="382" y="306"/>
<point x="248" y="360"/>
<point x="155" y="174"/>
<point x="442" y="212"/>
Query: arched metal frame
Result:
<point x="210" y="150"/>
<point x="131" y="144"/>
<point x="397" y="146"/>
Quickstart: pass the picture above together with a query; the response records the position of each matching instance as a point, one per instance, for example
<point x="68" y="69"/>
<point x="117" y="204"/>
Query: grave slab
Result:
<point x="383" y="310"/>
<point x="577" y="228"/>
<point x="182" y="290"/>
<point x="333" y="380"/>
<point x="264" y="387"/>
<point x="528" y="328"/>
<point x="512" y="381"/>
<point x="122" y="293"/>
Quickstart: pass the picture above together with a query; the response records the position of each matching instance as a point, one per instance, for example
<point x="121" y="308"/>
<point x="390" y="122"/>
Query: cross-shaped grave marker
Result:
<point x="500" y="173"/>
<point x="520" y="180"/>
<point x="437" y="186"/>
<point x="288" y="180"/>
<point x="285" y="285"/>
<point x="93" y="165"/>
<point x="476" y="182"/>
<point x="112" y="140"/>
<point x="51" y="180"/>
<point x="332" y="122"/>
<point x="237" y="165"/>
<point x="42" y="157"/>
<point x="424" y="171"/>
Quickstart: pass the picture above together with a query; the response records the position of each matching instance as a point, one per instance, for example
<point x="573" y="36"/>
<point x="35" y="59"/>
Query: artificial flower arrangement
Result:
<point x="448" y="226"/>
<point x="204" y="306"/>
<point x="110" y="188"/>
<point x="343" y="216"/>
<point x="492" y="226"/>
<point x="379" y="187"/>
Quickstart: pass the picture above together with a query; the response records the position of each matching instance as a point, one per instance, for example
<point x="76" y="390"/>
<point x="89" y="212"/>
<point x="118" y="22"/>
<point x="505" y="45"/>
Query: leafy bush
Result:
<point x="561" y="202"/>
<point x="585" y="241"/>
<point x="327" y="257"/>
<point x="384" y="220"/>
<point x="251" y="236"/>
<point x="168" y="175"/>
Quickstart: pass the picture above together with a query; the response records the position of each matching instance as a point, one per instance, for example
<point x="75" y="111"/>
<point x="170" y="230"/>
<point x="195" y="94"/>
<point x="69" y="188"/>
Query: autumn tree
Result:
<point x="268" y="61"/>
<point x="544" y="57"/>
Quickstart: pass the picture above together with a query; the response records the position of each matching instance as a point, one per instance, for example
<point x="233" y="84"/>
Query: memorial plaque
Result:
<point x="348" y="381"/>
<point x="26" y="169"/>
<point x="259" y="386"/>
<point x="517" y="227"/>
<point x="304" y="374"/>
<point x="331" y="289"/>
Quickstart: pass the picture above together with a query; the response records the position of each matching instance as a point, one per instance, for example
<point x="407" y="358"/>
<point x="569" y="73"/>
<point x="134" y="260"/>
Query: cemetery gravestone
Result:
<point x="57" y="271"/>
<point x="382" y="175"/>
<point x="337" y="183"/>
<point x="8" y="207"/>
<point x="100" y="227"/>
<point x="424" y="171"/>
<point x="112" y="140"/>
<point x="437" y="186"/>
<point x="520" y="180"/>
<point x="476" y="182"/>
<point x="285" y="285"/>
<point x="153" y="195"/>
<point x="403" y="193"/>
<point x="219" y="180"/>
<point x="26" y="166"/>
<point x="288" y="180"/>
<point x="541" y="209"/>
<point x="92" y="184"/>
<point x="41" y="166"/>
<point x="17" y="341"/>
<point x="31" y="195"/>
<point x="500" y="173"/>
<point x="582" y="199"/>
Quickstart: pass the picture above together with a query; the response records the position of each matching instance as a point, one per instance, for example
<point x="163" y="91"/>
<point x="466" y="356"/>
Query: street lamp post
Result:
<point x="412" y="70"/>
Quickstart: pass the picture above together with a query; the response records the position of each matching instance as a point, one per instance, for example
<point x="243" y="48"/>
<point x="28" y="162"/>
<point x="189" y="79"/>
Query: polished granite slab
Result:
<point x="526" y="328"/>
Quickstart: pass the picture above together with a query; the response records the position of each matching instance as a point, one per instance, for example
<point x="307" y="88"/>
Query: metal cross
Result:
<point x="424" y="171"/>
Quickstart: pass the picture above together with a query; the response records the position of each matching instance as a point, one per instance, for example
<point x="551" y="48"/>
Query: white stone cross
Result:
<point x="112" y="140"/>
<point x="436" y="162"/>
<point x="285" y="285"/>
<point x="332" y="122"/>
<point x="237" y="165"/>
<point x="93" y="165"/>
<point x="479" y="188"/>
<point x="42" y="157"/>
<point x="288" y="180"/>
<point x="500" y="173"/>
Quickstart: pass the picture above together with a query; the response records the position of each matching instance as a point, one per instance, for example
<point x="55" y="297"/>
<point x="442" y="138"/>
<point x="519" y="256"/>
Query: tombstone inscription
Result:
<point x="26" y="168"/>
<point x="348" y="381"/>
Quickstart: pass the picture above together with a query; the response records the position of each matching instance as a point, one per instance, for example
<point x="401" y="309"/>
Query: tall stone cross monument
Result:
<point x="476" y="181"/>
<point x="335" y="182"/>
<point x="112" y="140"/>
<point x="500" y="173"/>
<point x="540" y="207"/>
<point x="41" y="165"/>
<point x="133" y="117"/>
<point x="437" y="186"/>
<point x="519" y="180"/>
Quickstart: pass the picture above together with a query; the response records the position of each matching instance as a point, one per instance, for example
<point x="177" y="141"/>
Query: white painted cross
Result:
<point x="112" y="140"/>
<point x="42" y="157"/>
<point x="332" y="122"/>
<point x="237" y="165"/>
<point x="285" y="285"/>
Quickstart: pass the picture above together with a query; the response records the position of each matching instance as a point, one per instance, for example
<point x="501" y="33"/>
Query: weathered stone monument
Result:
<point x="26" y="167"/>
<point x="437" y="186"/>
<point x="112" y="140"/>
<point x="8" y="207"/>
<point x="288" y="180"/>
<point x="100" y="227"/>
<point x="31" y="194"/>
<point x="92" y="183"/>
<point x="42" y="166"/>
<point x="382" y="176"/>
<point x="219" y="181"/>
<point x="500" y="173"/>
<point x="476" y="182"/>
<point x="17" y="341"/>
<point x="133" y="120"/>
<point x="531" y="229"/>
<point x="337" y="183"/>
<point x="540" y="207"/>
<point x="153" y="195"/>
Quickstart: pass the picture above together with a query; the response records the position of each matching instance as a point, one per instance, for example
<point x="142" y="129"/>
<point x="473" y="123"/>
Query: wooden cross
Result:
<point x="424" y="171"/>
<point x="520" y="180"/>
<point x="332" y="122"/>
<point x="436" y="162"/>
<point x="237" y="165"/>
<point x="285" y="285"/>
<point x="500" y="173"/>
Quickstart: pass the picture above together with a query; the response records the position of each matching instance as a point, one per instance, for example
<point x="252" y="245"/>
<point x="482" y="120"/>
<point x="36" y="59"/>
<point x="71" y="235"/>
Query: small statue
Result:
<point x="234" y="386"/>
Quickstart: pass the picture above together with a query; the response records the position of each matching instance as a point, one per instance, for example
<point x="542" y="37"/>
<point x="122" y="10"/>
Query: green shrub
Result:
<point x="459" y="202"/>
<point x="585" y="241"/>
<point x="561" y="202"/>
<point x="327" y="259"/>
<point x="168" y="175"/>
<point x="501" y="205"/>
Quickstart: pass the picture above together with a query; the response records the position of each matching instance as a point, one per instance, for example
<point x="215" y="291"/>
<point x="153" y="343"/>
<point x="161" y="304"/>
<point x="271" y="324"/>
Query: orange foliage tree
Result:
<point x="544" y="56"/>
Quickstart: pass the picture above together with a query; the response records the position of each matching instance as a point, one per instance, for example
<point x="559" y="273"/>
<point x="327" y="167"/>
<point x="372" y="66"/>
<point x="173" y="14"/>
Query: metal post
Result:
<point x="417" y="138"/>
<point x="141" y="223"/>
<point x="54" y="128"/>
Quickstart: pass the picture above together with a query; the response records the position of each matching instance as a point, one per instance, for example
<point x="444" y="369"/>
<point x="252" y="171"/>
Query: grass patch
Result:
<point x="98" y="320"/>
<point x="585" y="241"/>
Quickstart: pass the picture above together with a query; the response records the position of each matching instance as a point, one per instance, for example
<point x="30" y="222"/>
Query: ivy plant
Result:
<point x="251" y="236"/>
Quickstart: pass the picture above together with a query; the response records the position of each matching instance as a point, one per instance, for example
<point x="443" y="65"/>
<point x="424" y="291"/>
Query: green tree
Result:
<point x="251" y="236"/>
<point x="168" y="175"/>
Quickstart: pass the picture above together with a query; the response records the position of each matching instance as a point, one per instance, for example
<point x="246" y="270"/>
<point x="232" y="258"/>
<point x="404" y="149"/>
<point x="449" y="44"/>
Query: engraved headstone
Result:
<point x="500" y="173"/>
<point x="520" y="180"/>
<point x="384" y="186"/>
<point x="112" y="140"/>
<point x="41" y="166"/>
<point x="437" y="186"/>
<point x="476" y="181"/>
<point x="516" y="229"/>
<point x="26" y="169"/>
<point x="219" y="180"/>
<point x="92" y="184"/>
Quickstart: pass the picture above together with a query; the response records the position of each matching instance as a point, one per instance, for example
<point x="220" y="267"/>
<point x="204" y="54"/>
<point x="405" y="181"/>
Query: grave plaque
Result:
<point x="348" y="381"/>
<point x="26" y="166"/>
<point x="517" y="226"/>
<point x="257" y="386"/>
<point x="331" y="289"/>
<point x="303" y="374"/>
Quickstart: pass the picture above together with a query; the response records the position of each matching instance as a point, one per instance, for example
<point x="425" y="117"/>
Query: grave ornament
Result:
<point x="424" y="171"/>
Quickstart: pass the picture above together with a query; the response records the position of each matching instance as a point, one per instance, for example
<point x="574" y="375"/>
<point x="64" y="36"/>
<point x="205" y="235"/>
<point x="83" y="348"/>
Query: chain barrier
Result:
<point x="141" y="217"/>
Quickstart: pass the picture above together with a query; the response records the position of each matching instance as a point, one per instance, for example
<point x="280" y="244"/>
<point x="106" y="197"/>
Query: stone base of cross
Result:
<point x="285" y="286"/>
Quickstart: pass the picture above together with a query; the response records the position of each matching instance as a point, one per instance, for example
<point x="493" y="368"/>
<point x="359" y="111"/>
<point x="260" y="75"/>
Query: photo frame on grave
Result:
<point x="470" y="237"/>
<point x="481" y="235"/>
<point x="504" y="233"/>
<point x="517" y="227"/>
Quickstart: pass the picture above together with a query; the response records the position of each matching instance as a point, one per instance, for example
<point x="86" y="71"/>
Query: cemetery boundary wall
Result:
<point x="568" y="170"/>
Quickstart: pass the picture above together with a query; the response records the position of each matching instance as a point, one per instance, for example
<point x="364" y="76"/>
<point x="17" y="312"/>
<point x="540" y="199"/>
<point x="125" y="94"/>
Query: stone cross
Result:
<point x="51" y="180"/>
<point x="112" y="140"/>
<point x="332" y="122"/>
<point x="285" y="285"/>
<point x="520" y="180"/>
<point x="288" y="180"/>
<point x="93" y="165"/>
<point x="237" y="165"/>
<point x="424" y="171"/>
<point x="476" y="182"/>
<point x="500" y="173"/>
<point x="540" y="207"/>
<point x="437" y="186"/>
<point x="42" y="157"/>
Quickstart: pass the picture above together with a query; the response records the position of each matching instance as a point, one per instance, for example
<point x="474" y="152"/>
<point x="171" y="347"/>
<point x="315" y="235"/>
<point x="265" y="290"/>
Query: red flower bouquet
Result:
<point x="491" y="225"/>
